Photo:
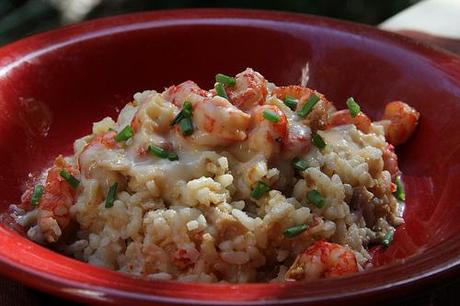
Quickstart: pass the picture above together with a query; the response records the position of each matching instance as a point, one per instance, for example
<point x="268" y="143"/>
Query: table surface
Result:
<point x="434" y="17"/>
<point x="411" y="23"/>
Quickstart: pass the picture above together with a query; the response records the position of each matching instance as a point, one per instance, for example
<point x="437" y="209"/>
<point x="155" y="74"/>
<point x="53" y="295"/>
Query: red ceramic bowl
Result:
<point x="54" y="85"/>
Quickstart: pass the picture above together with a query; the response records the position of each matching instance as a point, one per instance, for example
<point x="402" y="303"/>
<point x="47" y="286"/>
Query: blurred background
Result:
<point x="19" y="18"/>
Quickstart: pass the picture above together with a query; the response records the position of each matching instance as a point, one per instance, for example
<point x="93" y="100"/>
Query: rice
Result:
<point x="196" y="218"/>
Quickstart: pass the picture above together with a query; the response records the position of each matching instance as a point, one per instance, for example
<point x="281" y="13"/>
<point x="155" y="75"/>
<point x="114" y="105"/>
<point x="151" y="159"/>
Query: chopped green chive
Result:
<point x="315" y="197"/>
<point x="271" y="116"/>
<point x="162" y="153"/>
<point x="184" y="119"/>
<point x="125" y="134"/>
<point x="299" y="164"/>
<point x="157" y="151"/>
<point x="259" y="190"/>
<point x="399" y="193"/>
<point x="353" y="107"/>
<point x="308" y="106"/>
<point x="220" y="90"/>
<point x="111" y="195"/>
<point x="318" y="141"/>
<point x="187" y="106"/>
<point x="36" y="195"/>
<point x="178" y="118"/>
<point x="293" y="231"/>
<point x="388" y="238"/>
<point x="290" y="102"/>
<point x="173" y="156"/>
<point x="186" y="112"/>
<point x="69" y="178"/>
<point x="225" y="79"/>
<point x="186" y="126"/>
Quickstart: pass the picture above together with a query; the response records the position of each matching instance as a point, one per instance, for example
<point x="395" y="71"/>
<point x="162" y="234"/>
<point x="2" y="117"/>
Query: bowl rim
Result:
<point x="420" y="270"/>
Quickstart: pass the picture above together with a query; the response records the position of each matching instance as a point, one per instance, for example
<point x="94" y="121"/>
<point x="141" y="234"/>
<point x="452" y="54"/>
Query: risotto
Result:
<point x="246" y="182"/>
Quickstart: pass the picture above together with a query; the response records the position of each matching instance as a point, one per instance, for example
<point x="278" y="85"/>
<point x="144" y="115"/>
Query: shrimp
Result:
<point x="267" y="136"/>
<point x="180" y="93"/>
<point x="298" y="140"/>
<point x="217" y="123"/>
<point x="403" y="121"/>
<point x="180" y="259"/>
<point x="185" y="258"/>
<point x="318" y="117"/>
<point x="106" y="140"/>
<point x="100" y="159"/>
<point x="293" y="91"/>
<point x="390" y="160"/>
<point x="154" y="115"/>
<point x="322" y="260"/>
<point x="250" y="90"/>
<point x="54" y="205"/>
<point x="361" y="121"/>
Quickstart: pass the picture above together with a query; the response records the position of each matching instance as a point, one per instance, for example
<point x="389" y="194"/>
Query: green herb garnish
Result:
<point x="111" y="195"/>
<point x="184" y="119"/>
<point x="318" y="141"/>
<point x="399" y="193"/>
<point x="290" y="102"/>
<point x="186" y="126"/>
<point x="293" y="231"/>
<point x="69" y="178"/>
<point x="299" y="164"/>
<point x="225" y="79"/>
<point x="157" y="151"/>
<point x="259" y="190"/>
<point x="220" y="90"/>
<point x="388" y="238"/>
<point x="162" y="153"/>
<point x="315" y="198"/>
<point x="271" y="116"/>
<point x="186" y="112"/>
<point x="353" y="107"/>
<point x="308" y="106"/>
<point x="125" y="134"/>
<point x="187" y="107"/>
<point x="37" y="194"/>
<point x="173" y="156"/>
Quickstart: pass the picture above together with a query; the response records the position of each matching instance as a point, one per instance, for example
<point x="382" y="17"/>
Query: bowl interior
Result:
<point x="53" y="86"/>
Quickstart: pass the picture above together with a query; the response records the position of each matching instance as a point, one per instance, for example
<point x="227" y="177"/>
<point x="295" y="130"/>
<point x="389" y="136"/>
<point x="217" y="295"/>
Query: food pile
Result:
<point x="245" y="182"/>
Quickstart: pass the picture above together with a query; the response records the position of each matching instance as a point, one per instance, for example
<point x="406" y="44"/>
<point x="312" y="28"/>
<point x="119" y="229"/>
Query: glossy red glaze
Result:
<point x="54" y="85"/>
